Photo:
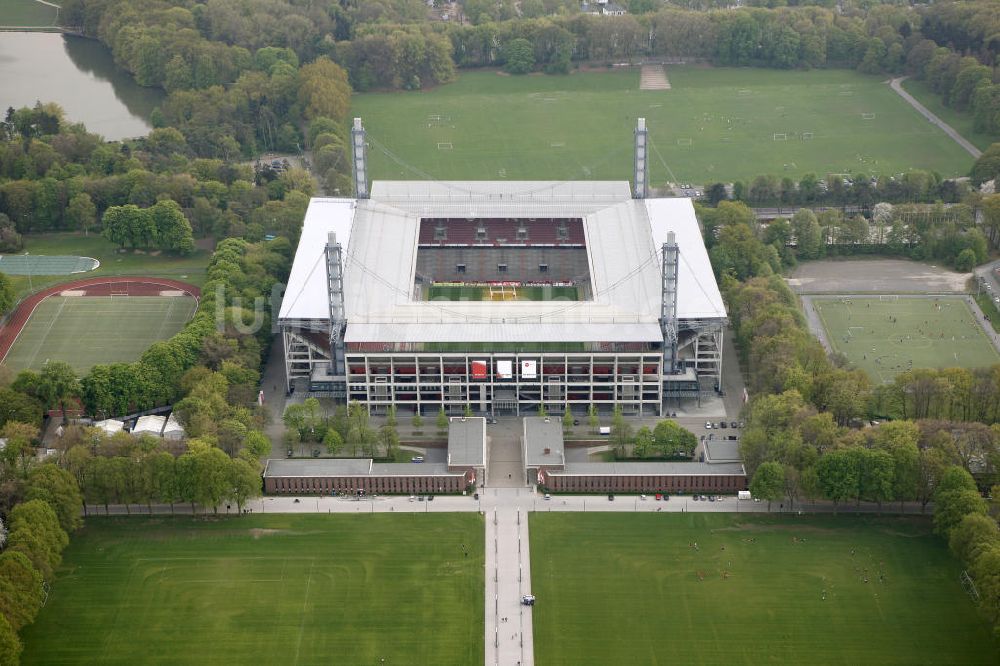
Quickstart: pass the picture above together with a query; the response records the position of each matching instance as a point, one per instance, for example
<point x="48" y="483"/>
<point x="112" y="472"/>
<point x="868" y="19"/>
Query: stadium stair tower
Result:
<point x="338" y="318"/>
<point x="668" y="307"/>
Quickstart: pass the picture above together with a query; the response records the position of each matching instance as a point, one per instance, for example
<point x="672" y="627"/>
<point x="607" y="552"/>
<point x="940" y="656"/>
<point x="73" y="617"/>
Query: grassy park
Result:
<point x="886" y="335"/>
<point x="634" y="589"/>
<point x="27" y="13"/>
<point x="87" y="330"/>
<point x="190" y="269"/>
<point x="262" y="589"/>
<point x="714" y="124"/>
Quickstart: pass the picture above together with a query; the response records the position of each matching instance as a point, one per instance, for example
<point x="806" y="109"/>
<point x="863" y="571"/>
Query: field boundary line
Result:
<point x="302" y="613"/>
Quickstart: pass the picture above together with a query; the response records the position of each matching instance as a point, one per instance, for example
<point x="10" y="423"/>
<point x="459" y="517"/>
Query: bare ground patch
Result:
<point x="874" y="276"/>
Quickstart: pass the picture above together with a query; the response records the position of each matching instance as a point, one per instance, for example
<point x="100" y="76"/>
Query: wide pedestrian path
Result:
<point x="509" y="636"/>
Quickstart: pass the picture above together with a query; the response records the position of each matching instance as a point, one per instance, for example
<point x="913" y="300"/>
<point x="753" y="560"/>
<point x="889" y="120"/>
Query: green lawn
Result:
<point x="87" y="330"/>
<point x="960" y="120"/>
<point x="27" y="13"/>
<point x="715" y="124"/>
<point x="189" y="269"/>
<point x="886" y="337"/>
<point x="471" y="293"/>
<point x="282" y="589"/>
<point x="625" y="589"/>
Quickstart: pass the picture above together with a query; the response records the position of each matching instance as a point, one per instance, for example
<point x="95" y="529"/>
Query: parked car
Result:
<point x="611" y="497"/>
<point x="722" y="424"/>
<point x="420" y="498"/>
<point x="734" y="424"/>
<point x="708" y="425"/>
<point x="417" y="459"/>
<point x="547" y="496"/>
<point x="696" y="497"/>
<point x="430" y="498"/>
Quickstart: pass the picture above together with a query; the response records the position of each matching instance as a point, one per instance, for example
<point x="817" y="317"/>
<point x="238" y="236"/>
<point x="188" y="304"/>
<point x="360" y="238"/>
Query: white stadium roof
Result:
<point x="379" y="237"/>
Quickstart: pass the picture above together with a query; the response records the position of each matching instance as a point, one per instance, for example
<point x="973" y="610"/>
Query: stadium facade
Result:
<point x="500" y="297"/>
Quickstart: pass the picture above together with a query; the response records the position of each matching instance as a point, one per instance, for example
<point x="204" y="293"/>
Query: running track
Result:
<point x="97" y="286"/>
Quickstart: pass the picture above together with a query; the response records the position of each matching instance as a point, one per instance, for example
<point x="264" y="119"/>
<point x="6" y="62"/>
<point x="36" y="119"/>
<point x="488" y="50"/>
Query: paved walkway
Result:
<point x="896" y="84"/>
<point x="509" y="635"/>
<point x="653" y="77"/>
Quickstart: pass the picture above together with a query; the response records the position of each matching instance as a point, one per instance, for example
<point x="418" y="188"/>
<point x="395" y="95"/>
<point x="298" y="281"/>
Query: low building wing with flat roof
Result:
<point x="542" y="443"/>
<point x="722" y="451"/>
<point x="326" y="476"/>
<point x="646" y="477"/>
<point x="467" y="442"/>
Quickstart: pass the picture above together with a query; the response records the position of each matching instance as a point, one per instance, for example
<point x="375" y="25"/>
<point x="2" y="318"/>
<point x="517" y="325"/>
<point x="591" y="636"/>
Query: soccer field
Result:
<point x="715" y="124"/>
<point x="282" y="589"/>
<point x="87" y="330"/>
<point x="634" y="589"/>
<point x="474" y="293"/>
<point x="886" y="335"/>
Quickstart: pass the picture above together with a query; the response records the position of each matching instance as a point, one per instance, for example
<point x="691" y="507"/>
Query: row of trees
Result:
<point x="42" y="506"/>
<point x="742" y="247"/>
<point x="216" y="337"/>
<point x="142" y="473"/>
<point x="835" y="190"/>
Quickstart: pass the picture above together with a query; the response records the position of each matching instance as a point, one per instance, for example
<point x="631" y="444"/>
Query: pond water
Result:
<point x="78" y="74"/>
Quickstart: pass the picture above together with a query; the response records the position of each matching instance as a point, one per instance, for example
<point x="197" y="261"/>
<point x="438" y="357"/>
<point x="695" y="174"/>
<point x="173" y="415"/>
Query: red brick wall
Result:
<point x="647" y="484"/>
<point x="383" y="485"/>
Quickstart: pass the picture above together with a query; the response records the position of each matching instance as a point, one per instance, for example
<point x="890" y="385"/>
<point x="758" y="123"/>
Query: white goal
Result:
<point x="807" y="136"/>
<point x="891" y="298"/>
<point x="868" y="116"/>
<point x="683" y="142"/>
<point x="445" y="145"/>
<point x="781" y="136"/>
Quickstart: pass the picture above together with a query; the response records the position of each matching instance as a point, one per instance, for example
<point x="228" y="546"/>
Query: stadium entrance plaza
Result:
<point x="506" y="499"/>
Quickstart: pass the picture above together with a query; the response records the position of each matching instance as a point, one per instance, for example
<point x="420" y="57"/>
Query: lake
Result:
<point x="80" y="76"/>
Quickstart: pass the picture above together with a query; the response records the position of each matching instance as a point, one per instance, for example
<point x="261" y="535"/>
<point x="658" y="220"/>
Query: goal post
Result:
<point x="891" y="298"/>
<point x="781" y="136"/>
<point x="868" y="116"/>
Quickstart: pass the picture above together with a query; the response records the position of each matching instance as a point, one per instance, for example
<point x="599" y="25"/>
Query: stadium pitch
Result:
<point x="87" y="330"/>
<point x="281" y="589"/>
<point x="715" y="124"/>
<point x="502" y="293"/>
<point x="686" y="588"/>
<point x="887" y="335"/>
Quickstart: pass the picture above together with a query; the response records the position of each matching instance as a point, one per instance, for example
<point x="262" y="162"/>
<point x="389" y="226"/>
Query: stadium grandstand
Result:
<point x="503" y="296"/>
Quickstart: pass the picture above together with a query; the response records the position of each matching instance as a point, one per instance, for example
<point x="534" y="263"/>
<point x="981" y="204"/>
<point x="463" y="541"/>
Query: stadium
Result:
<point x="503" y="297"/>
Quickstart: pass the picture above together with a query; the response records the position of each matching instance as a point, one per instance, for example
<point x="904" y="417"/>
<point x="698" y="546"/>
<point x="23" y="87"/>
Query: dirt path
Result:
<point x="896" y="84"/>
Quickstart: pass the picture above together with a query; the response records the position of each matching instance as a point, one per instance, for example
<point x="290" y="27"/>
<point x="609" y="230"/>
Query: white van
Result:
<point x="605" y="431"/>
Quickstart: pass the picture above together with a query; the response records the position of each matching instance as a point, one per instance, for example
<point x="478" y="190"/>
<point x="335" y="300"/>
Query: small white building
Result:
<point x="173" y="428"/>
<point x="110" y="426"/>
<point x="149" y="425"/>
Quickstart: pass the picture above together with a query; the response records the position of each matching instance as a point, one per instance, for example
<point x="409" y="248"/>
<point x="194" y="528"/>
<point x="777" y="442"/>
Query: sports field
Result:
<point x="715" y="124"/>
<point x="635" y="589"/>
<point x="283" y="589"/>
<point x="475" y="293"/>
<point x="87" y="330"/>
<point x="886" y="335"/>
